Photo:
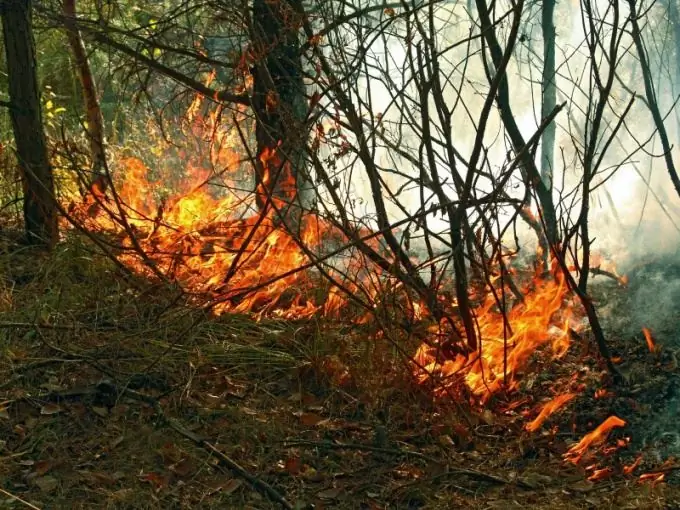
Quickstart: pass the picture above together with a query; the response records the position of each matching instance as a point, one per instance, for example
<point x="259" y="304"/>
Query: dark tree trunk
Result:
<point x="280" y="108"/>
<point x="36" y="173"/>
<point x="95" y="120"/>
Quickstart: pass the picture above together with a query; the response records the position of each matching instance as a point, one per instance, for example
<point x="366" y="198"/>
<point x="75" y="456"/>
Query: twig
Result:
<point x="397" y="451"/>
<point x="17" y="498"/>
<point x="260" y="485"/>
<point x="364" y="447"/>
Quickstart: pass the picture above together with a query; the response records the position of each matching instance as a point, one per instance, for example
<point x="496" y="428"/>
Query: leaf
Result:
<point x="46" y="483"/>
<point x="293" y="465"/>
<point x="331" y="493"/>
<point x="232" y="485"/>
<point x="310" y="419"/>
<point x="183" y="468"/>
<point x="42" y="467"/>
<point x="4" y="414"/>
<point x="100" y="411"/>
<point x="117" y="441"/>
<point x="49" y="409"/>
<point x="49" y="105"/>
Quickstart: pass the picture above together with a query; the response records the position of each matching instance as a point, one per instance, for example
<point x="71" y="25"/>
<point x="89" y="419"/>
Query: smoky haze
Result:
<point x="635" y="211"/>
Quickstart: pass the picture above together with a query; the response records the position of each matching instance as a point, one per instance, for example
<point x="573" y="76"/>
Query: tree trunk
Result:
<point x="36" y="173"/>
<point x="549" y="91"/>
<point x="95" y="121"/>
<point x="280" y="108"/>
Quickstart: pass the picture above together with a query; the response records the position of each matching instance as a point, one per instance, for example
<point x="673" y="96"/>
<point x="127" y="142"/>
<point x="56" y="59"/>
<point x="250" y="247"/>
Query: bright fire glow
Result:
<point x="594" y="438"/>
<point x="225" y="250"/>
<point x="548" y="409"/>
<point x="543" y="319"/>
<point x="651" y="345"/>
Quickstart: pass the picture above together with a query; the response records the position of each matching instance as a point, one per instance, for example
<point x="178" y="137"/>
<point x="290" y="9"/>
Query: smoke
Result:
<point x="635" y="212"/>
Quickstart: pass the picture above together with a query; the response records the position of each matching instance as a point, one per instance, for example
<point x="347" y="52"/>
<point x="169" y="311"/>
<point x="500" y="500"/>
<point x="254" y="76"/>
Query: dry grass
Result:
<point x="321" y="412"/>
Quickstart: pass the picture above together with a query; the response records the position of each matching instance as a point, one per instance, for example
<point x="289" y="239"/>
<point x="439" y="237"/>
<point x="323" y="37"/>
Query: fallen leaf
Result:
<point x="46" y="483"/>
<point x="117" y="441"/>
<point x="232" y="485"/>
<point x="331" y="493"/>
<point x="310" y="419"/>
<point x="50" y="408"/>
<point x="445" y="440"/>
<point x="42" y="467"/>
<point x="100" y="411"/>
<point x="4" y="414"/>
<point x="293" y="465"/>
<point x="183" y="468"/>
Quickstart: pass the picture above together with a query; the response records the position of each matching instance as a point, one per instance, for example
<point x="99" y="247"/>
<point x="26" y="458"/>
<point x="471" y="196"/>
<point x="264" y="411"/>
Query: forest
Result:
<point x="352" y="254"/>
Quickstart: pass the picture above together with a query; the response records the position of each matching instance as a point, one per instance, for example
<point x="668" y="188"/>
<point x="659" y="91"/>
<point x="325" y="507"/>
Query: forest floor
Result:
<point x="119" y="395"/>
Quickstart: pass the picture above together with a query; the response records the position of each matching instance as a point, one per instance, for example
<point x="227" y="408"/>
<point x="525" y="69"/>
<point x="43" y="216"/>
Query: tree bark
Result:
<point x="549" y="91"/>
<point x="280" y="106"/>
<point x="40" y="213"/>
<point x="95" y="120"/>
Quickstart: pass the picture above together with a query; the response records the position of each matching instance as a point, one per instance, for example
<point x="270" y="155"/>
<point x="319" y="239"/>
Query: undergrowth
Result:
<point x="97" y="365"/>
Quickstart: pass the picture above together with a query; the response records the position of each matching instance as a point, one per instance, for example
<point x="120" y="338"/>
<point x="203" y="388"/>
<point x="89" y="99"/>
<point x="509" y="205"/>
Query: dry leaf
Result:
<point x="293" y="465"/>
<point x="46" y="483"/>
<point x="232" y="485"/>
<point x="42" y="467"/>
<point x="310" y="419"/>
<point x="331" y="493"/>
<point x="4" y="414"/>
<point x="445" y="440"/>
<point x="100" y="411"/>
<point x="183" y="468"/>
<point x="117" y="441"/>
<point x="49" y="409"/>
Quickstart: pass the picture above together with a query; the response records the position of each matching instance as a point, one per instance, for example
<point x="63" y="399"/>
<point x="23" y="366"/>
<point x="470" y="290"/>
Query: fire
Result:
<point x="231" y="250"/>
<point x="506" y="347"/>
<point x="548" y="409"/>
<point x="594" y="438"/>
<point x="221" y="246"/>
<point x="651" y="345"/>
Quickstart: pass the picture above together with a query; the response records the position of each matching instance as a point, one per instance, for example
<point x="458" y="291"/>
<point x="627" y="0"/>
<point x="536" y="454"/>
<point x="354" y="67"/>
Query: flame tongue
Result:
<point x="548" y="409"/>
<point x="594" y="438"/>
<point x="506" y="347"/>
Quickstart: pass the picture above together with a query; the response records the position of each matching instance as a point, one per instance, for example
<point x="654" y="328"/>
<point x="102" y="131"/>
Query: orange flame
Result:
<point x="594" y="438"/>
<point x="628" y="469"/>
<point x="506" y="347"/>
<point x="548" y="409"/>
<point x="651" y="345"/>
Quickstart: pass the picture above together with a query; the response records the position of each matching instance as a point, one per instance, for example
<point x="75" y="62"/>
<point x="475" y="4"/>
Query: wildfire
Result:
<point x="651" y="345"/>
<point x="223" y="248"/>
<point x="548" y="409"/>
<point x="506" y="346"/>
<point x="594" y="438"/>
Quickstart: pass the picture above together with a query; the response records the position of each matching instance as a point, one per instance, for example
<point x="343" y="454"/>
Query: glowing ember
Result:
<point x="653" y="478"/>
<point x="594" y="438"/>
<point x="651" y="345"/>
<point x="601" y="474"/>
<point x="630" y="468"/>
<point x="542" y="319"/>
<point x="550" y="408"/>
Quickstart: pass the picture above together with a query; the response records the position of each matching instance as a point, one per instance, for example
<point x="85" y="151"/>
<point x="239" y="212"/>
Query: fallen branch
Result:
<point x="258" y="484"/>
<point x="472" y="473"/>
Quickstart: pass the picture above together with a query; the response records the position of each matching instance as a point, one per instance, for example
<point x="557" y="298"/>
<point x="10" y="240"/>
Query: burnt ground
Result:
<point x="116" y="394"/>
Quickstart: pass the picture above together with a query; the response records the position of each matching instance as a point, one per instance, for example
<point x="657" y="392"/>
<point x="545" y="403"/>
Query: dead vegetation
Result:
<point x="119" y="395"/>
